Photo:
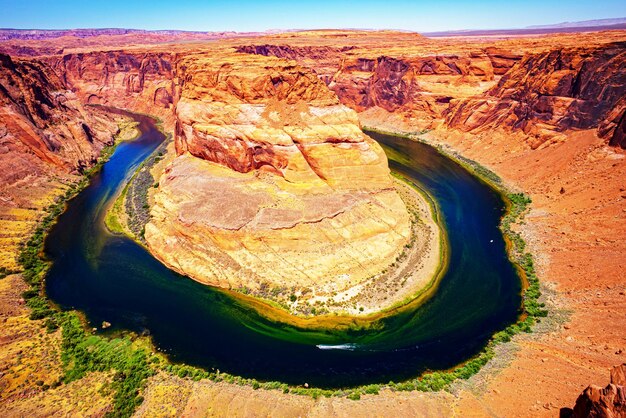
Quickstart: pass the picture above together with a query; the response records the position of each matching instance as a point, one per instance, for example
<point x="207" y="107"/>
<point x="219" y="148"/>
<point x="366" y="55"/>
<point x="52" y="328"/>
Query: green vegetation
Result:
<point x="480" y="171"/>
<point x="517" y="206"/>
<point x="112" y="220"/>
<point x="83" y="353"/>
<point x="4" y="272"/>
<point x="134" y="199"/>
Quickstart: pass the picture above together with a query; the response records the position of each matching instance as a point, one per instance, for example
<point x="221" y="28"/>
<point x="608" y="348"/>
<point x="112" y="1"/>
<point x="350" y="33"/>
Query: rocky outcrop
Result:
<point x="320" y="53"/>
<point x="598" y="402"/>
<point x="275" y="185"/>
<point x="282" y="119"/>
<point x="613" y="126"/>
<point x="405" y="84"/>
<point x="541" y="94"/>
<point x="548" y="93"/>
<point x="502" y="60"/>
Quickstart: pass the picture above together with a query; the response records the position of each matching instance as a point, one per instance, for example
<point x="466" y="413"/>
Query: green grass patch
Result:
<point x="83" y="353"/>
<point x="112" y="220"/>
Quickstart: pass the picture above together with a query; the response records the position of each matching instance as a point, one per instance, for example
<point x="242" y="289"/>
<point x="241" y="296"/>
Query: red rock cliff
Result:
<point x="548" y="93"/>
<point x="138" y="81"/>
<point x="417" y="86"/>
<point x="41" y="117"/>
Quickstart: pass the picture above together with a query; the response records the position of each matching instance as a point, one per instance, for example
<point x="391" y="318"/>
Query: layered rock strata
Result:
<point x="275" y="189"/>
<point x="417" y="86"/>
<point x="140" y="81"/>
<point x="540" y="92"/>
<point x="548" y="93"/>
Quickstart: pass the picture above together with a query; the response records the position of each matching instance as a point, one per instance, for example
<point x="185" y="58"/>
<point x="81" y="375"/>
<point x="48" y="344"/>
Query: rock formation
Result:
<point x="614" y="125"/>
<point x="140" y="81"/>
<point x="275" y="185"/>
<point x="41" y="116"/>
<point x="309" y="196"/>
<point x="577" y="232"/>
<point x="415" y="86"/>
<point x="541" y="93"/>
<point x="550" y="92"/>
<point x="598" y="402"/>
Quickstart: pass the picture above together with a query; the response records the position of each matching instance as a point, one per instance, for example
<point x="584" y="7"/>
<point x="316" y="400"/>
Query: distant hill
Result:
<point x="564" y="27"/>
<point x="39" y="34"/>
<point x="582" y="23"/>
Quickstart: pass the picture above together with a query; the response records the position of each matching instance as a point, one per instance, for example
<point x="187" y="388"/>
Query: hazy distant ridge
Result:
<point x="582" y="23"/>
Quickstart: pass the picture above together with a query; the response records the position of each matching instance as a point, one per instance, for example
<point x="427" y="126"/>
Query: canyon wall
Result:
<point x="420" y="87"/>
<point x="47" y="137"/>
<point x="541" y="94"/>
<point x="548" y="93"/>
<point x="138" y="81"/>
<point x="41" y="117"/>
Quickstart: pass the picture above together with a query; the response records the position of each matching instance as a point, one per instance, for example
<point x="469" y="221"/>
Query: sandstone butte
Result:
<point x="546" y="113"/>
<point x="274" y="185"/>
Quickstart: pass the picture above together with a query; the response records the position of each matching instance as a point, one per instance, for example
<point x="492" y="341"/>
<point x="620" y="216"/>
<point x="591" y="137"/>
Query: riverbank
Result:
<point x="31" y="344"/>
<point x="578" y="337"/>
<point x="130" y="211"/>
<point x="517" y="206"/>
<point x="446" y="177"/>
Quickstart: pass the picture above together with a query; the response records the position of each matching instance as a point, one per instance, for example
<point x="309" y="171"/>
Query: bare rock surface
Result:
<point x="275" y="189"/>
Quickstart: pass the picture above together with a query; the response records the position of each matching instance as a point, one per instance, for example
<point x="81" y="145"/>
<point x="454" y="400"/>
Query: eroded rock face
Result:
<point x="539" y="91"/>
<point x="46" y="136"/>
<point x="394" y="82"/>
<point x="613" y="126"/>
<point x="598" y="402"/>
<point x="410" y="85"/>
<point x="140" y="81"/>
<point x="275" y="184"/>
<point x="548" y="93"/>
<point x="41" y="117"/>
<point x="502" y="60"/>
<point x="294" y="53"/>
<point x="281" y="119"/>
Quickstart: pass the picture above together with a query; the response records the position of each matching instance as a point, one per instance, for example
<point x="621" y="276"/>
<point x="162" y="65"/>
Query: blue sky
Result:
<point x="208" y="15"/>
